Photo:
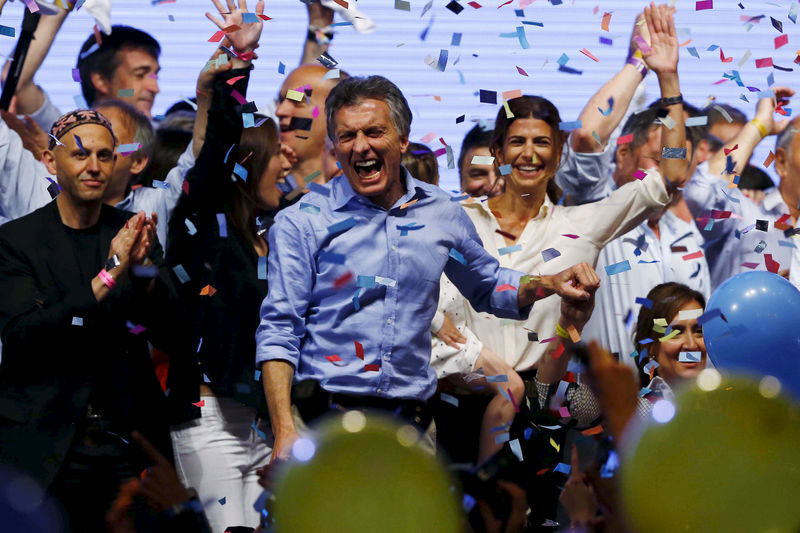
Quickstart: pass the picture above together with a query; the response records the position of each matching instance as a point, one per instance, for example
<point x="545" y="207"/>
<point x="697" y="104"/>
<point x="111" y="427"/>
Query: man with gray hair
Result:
<point x="741" y="234"/>
<point x="354" y="272"/>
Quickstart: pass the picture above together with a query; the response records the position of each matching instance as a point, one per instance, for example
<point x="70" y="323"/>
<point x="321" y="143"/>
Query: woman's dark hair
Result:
<point x="667" y="300"/>
<point x="539" y="108"/>
<point x="421" y="162"/>
<point x="257" y="147"/>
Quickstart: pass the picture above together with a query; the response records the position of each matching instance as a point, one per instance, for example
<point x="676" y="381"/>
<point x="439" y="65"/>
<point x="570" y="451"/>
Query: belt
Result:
<point x="416" y="412"/>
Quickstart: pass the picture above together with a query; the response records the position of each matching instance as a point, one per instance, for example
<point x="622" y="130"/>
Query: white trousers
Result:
<point x="218" y="455"/>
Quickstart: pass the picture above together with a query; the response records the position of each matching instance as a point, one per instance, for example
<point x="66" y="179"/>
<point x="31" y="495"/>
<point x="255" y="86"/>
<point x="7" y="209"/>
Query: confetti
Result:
<point x="549" y="254"/>
<point x="625" y="139"/>
<point x="488" y="97"/>
<point x="509" y="249"/>
<point x="618" y="268"/>
<point x="590" y="55"/>
<point x="689" y="357"/>
<point x="764" y="62"/>
<point x="606" y="22"/>
<point x="569" y="126"/>
<point x="482" y="160"/>
<point x="505" y="287"/>
<point x="455" y="254"/>
<point x="343" y="225"/>
<point x="703" y="5"/>
<point x="646" y="302"/>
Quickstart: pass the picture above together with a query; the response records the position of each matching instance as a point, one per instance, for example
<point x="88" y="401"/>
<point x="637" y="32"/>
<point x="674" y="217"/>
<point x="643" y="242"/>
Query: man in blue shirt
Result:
<point x="354" y="271"/>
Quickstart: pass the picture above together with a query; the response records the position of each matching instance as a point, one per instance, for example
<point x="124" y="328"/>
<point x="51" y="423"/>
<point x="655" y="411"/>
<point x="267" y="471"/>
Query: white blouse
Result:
<point x="548" y="246"/>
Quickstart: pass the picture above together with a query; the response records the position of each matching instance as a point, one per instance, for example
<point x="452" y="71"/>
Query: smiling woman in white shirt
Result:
<point x="527" y="230"/>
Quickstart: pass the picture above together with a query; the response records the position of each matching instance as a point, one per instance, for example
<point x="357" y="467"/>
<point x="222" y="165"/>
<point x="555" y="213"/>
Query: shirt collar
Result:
<point x="483" y="204"/>
<point x="343" y="192"/>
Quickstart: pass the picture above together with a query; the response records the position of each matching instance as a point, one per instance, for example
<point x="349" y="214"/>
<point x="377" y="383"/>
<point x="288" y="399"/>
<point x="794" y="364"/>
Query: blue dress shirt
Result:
<point x="343" y="270"/>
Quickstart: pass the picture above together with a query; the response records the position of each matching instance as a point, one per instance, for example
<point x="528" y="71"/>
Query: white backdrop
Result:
<point x="484" y="59"/>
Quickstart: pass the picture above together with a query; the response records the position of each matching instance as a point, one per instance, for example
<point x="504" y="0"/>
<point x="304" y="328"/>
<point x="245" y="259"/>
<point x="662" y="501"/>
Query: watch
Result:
<point x="672" y="100"/>
<point x="112" y="262"/>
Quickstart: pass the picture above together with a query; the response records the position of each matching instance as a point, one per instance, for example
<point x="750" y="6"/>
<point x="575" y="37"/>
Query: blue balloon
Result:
<point x="760" y="332"/>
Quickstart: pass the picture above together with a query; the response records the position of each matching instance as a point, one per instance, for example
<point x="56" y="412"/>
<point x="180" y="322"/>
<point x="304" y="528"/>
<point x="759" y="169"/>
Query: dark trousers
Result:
<point x="88" y="482"/>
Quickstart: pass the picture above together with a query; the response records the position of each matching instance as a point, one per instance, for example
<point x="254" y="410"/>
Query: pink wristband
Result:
<point x="106" y="278"/>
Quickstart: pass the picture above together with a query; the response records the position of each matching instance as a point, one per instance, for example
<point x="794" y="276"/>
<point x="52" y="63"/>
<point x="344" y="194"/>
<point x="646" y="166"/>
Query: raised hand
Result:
<point x="245" y="39"/>
<point x="205" y="81"/>
<point x="765" y="110"/>
<point x="578" y="496"/>
<point x="662" y="55"/>
<point x="124" y="241"/>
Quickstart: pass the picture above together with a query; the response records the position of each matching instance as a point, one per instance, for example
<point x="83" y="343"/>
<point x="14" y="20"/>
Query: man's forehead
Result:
<point x="88" y="136"/>
<point x="134" y="57"/>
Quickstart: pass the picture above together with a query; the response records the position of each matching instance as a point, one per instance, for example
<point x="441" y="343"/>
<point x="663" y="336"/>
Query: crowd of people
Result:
<point x="183" y="299"/>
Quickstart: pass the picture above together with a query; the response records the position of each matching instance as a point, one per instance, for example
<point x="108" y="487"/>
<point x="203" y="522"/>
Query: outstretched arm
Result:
<point x="662" y="58"/>
<point x="621" y="89"/>
<point x="741" y="147"/>
<point x="316" y="42"/>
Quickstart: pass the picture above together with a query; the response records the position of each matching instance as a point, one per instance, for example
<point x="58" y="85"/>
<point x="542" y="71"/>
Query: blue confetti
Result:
<point x="618" y="268"/>
<point x="249" y="18"/>
<point x="646" y="302"/>
<point x="509" y="249"/>
<point x="309" y="208"/>
<point x="240" y="171"/>
<point x="367" y="282"/>
<point x="550" y="253"/>
<point x="319" y="189"/>
<point x="190" y="226"/>
<point x="281" y="68"/>
<point x="505" y="170"/>
<point x="180" y="272"/>
<point x="456" y="40"/>
<point x="458" y="256"/>
<point x="523" y="40"/>
<point x="343" y="225"/>
<point x="570" y="125"/>
<point x="223" y="225"/>
<point x="331" y="257"/>
<point x="158" y="184"/>
<point x="710" y="315"/>
<point x="563" y="468"/>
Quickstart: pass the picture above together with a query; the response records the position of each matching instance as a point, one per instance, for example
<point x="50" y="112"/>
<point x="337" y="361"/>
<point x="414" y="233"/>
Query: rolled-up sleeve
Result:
<point x="290" y="280"/>
<point x="489" y="287"/>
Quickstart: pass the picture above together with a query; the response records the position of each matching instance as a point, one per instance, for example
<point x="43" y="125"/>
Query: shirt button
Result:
<point x="386" y="357"/>
<point x="390" y="321"/>
<point x="394" y="247"/>
<point x="379" y="390"/>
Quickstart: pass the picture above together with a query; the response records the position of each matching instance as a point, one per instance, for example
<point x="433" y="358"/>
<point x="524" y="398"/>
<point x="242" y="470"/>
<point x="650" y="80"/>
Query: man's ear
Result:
<point x="404" y="145"/>
<point x="781" y="162"/>
<point x="140" y="163"/>
<point x="101" y="84"/>
<point x="49" y="160"/>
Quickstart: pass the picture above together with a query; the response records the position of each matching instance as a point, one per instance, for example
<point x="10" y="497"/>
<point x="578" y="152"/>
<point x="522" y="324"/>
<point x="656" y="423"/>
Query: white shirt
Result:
<point x="730" y="243"/>
<point x="653" y="261"/>
<point x="595" y="225"/>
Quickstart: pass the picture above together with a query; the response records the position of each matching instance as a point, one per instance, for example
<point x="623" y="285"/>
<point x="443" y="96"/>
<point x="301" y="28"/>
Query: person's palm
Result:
<point x="245" y="39"/>
<point x="663" y="53"/>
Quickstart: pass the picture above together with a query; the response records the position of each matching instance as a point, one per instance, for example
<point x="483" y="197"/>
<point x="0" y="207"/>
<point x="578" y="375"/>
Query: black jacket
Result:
<point x="50" y="363"/>
<point x="215" y="254"/>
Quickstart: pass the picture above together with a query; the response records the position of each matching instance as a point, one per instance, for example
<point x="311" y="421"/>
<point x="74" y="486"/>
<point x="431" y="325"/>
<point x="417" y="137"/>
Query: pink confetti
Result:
<point x="505" y="287"/>
<point x="238" y="97"/>
<point x="750" y="265"/>
<point x="625" y="139"/>
<point x="764" y="62"/>
<point x="703" y="5"/>
<point x="315" y="112"/>
<point x="590" y="55"/>
<point x="772" y="265"/>
<point x="639" y="174"/>
<point x="217" y="37"/>
<point x="694" y="255"/>
<point x="781" y="40"/>
<point x="570" y="235"/>
<point x="522" y="71"/>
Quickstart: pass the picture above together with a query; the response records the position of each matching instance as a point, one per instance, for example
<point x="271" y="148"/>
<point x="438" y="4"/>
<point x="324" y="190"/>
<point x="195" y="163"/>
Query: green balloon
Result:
<point x="727" y="461"/>
<point x="366" y="474"/>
